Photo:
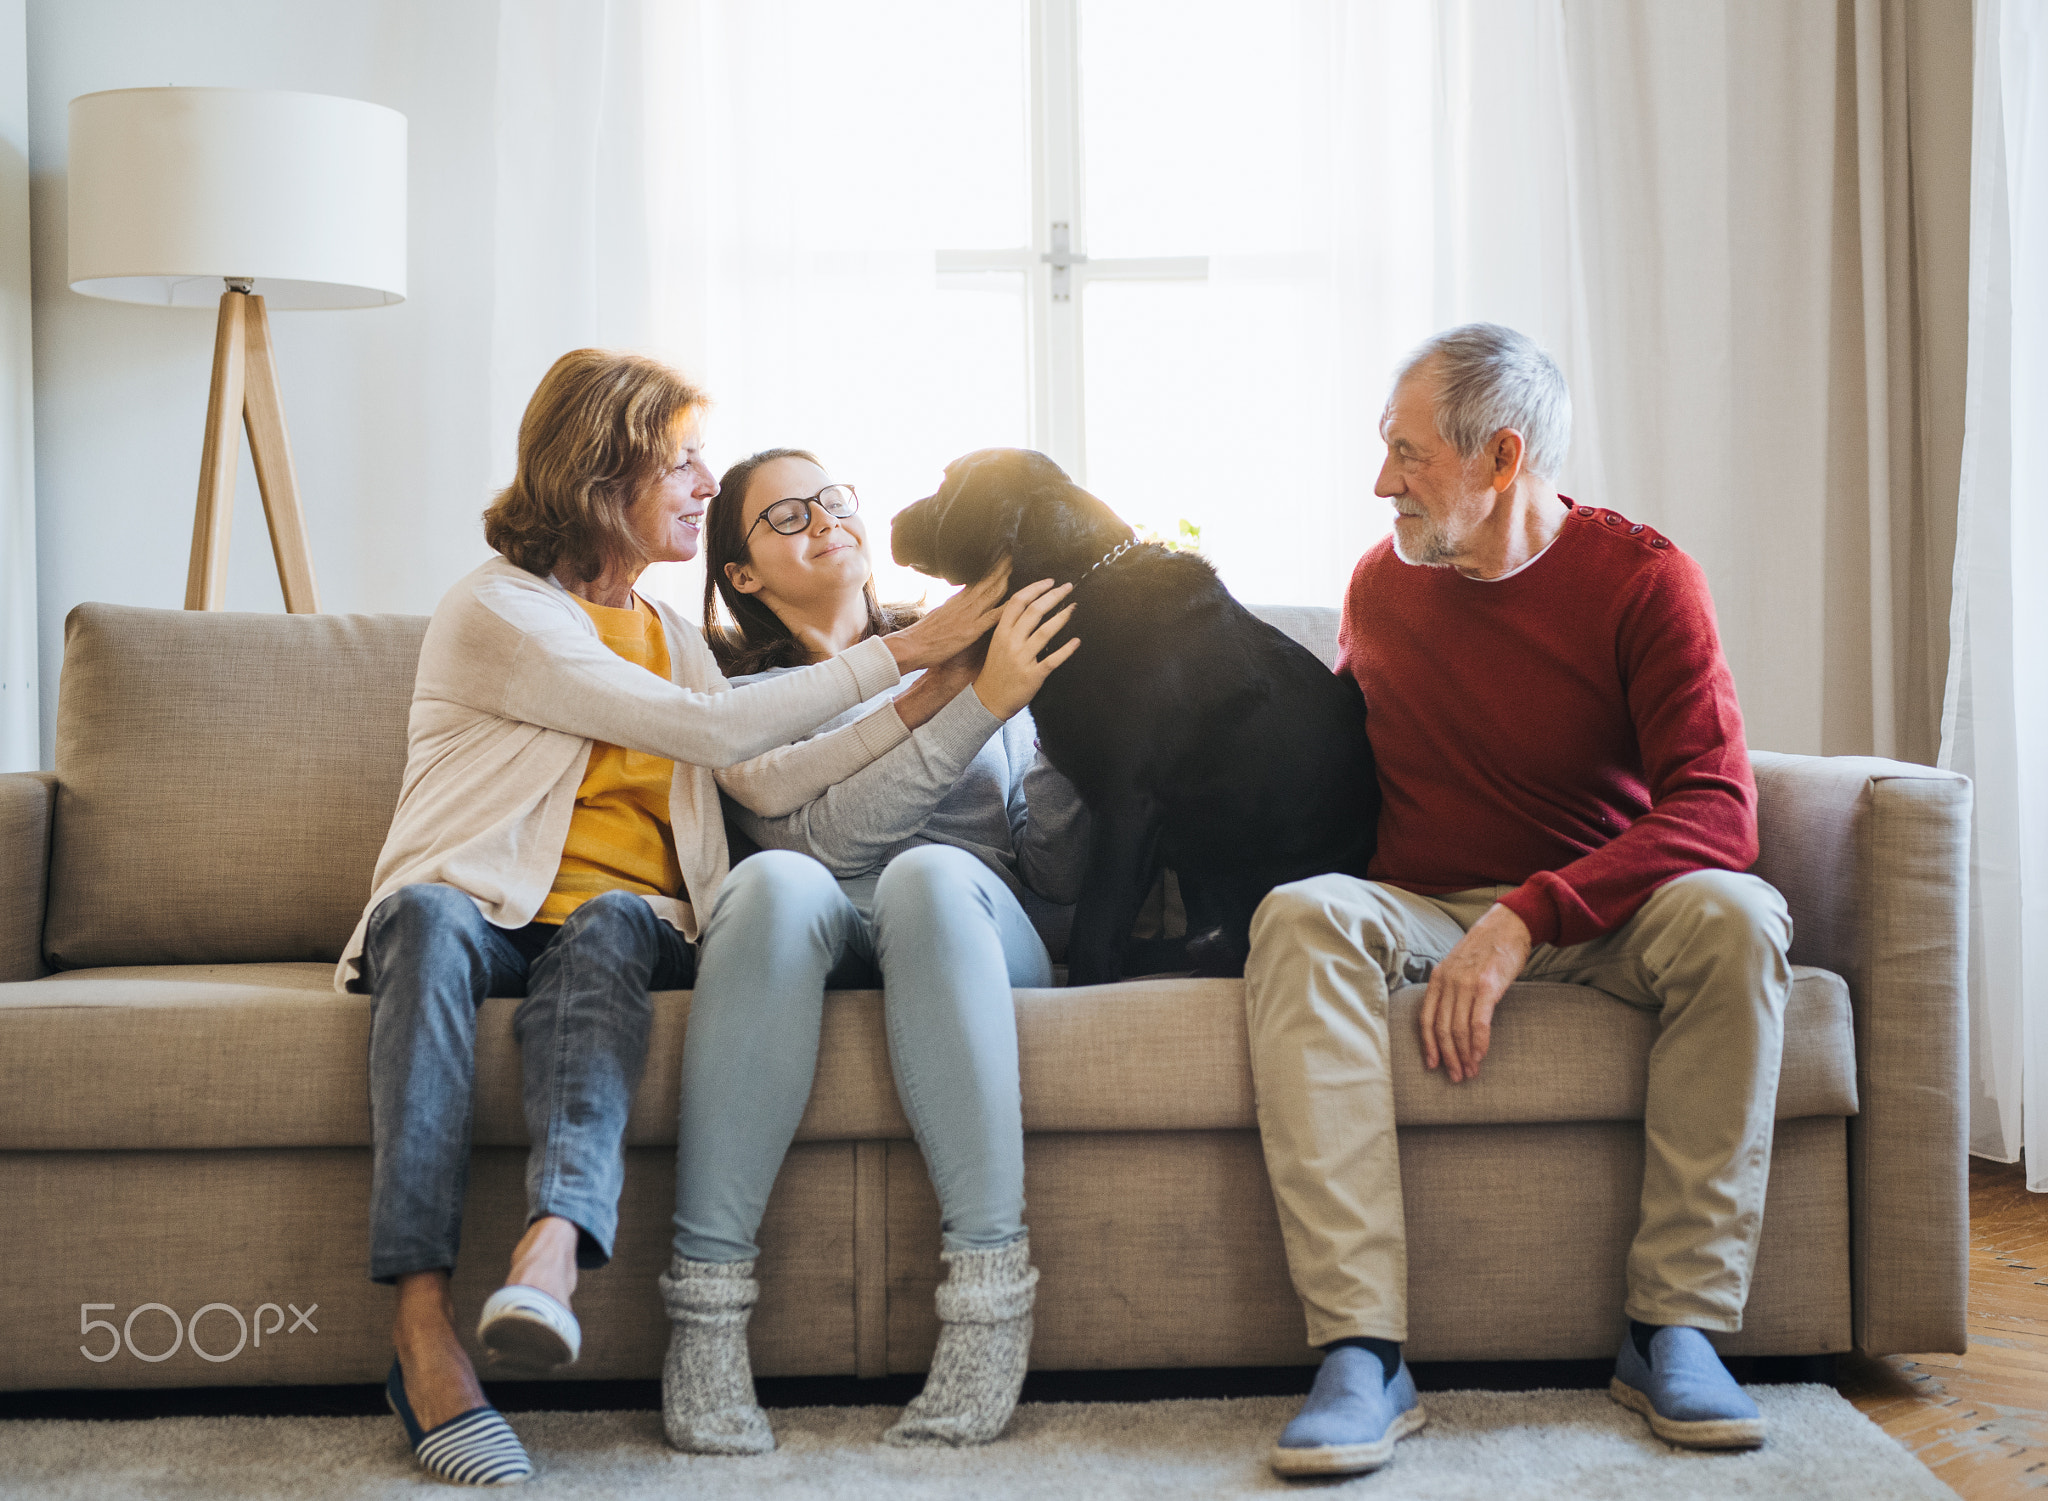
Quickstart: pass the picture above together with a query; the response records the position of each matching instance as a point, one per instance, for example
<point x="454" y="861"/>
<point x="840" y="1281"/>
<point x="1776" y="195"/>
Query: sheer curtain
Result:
<point x="1727" y="223"/>
<point x="755" y="191"/>
<point x="1359" y="175"/>
<point x="20" y="741"/>
<point x="836" y="149"/>
<point x="577" y="161"/>
<point x="1740" y="228"/>
<point x="1995" y="719"/>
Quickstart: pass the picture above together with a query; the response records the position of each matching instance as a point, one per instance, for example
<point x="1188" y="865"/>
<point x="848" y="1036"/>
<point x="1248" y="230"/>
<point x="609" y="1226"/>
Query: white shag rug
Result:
<point x="1488" y="1446"/>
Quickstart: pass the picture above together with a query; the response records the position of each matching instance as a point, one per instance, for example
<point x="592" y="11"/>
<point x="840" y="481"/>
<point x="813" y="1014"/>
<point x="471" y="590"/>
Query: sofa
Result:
<point x="185" y="1133"/>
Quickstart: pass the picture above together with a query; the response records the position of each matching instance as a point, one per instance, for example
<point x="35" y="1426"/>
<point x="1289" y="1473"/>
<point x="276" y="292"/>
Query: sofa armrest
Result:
<point x="1873" y="858"/>
<point x="26" y="801"/>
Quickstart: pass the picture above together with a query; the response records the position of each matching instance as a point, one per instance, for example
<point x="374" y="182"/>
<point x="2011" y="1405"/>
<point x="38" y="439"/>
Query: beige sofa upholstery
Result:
<point x="184" y="1107"/>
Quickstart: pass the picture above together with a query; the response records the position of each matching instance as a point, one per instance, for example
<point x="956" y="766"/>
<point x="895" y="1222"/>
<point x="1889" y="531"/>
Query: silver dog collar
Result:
<point x="1113" y="554"/>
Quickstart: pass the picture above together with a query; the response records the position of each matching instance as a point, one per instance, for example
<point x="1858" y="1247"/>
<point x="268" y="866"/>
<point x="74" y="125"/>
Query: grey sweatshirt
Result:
<point x="963" y="778"/>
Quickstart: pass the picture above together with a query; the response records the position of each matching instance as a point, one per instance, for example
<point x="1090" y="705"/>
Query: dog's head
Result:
<point x="999" y="502"/>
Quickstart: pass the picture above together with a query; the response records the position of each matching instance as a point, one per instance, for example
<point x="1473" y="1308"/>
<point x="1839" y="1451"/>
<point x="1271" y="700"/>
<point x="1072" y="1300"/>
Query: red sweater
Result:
<point x="1571" y="731"/>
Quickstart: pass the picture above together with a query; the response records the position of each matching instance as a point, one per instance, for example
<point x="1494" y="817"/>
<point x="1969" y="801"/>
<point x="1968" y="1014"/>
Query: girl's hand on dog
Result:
<point x="940" y="685"/>
<point x="955" y="625"/>
<point x="1014" y="671"/>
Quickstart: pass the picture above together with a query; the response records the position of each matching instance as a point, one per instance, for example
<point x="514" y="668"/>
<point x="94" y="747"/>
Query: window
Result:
<point x="1101" y="228"/>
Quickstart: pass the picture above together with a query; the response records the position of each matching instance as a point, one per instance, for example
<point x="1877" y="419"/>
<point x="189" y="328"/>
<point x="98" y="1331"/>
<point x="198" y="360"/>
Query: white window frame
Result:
<point x="1056" y="267"/>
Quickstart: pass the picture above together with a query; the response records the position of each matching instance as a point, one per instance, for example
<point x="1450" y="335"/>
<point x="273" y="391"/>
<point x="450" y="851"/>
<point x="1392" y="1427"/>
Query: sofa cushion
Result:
<point x="1314" y="626"/>
<point x="225" y="781"/>
<point x="268" y="1055"/>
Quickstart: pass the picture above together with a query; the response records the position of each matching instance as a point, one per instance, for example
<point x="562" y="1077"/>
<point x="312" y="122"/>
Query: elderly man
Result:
<point x="1567" y="797"/>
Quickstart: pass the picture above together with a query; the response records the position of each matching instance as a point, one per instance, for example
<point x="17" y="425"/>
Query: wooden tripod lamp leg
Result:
<point x="245" y="388"/>
<point x="269" y="445"/>
<point x="206" y="580"/>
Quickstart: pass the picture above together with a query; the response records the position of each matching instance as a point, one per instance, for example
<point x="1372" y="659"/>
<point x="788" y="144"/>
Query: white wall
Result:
<point x="19" y="707"/>
<point x="388" y="408"/>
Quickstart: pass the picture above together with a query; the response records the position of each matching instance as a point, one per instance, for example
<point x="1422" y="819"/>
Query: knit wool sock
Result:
<point x="984" y="1347"/>
<point x="707" y="1384"/>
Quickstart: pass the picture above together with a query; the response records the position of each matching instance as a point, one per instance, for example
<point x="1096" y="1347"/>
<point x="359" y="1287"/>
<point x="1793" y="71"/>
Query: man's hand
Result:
<point x="1457" y="1014"/>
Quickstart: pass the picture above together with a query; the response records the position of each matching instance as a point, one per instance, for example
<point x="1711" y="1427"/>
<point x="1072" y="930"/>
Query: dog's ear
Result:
<point x="975" y="522"/>
<point x="1042" y="542"/>
<point x="914" y="534"/>
<point x="1062" y="531"/>
<point x="980" y="527"/>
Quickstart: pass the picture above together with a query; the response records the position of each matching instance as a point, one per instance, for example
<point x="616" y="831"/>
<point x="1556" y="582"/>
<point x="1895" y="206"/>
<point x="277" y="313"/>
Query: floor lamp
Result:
<point x="261" y="199"/>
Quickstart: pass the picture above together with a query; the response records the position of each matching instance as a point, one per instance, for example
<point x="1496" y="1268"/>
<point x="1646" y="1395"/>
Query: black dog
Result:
<point x="1201" y="738"/>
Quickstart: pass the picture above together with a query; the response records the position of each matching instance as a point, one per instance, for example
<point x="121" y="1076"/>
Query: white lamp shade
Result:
<point x="174" y="189"/>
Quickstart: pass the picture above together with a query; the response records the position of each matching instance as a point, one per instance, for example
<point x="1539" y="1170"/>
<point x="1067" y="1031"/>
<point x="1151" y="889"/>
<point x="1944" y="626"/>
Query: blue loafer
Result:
<point x="1685" y="1392"/>
<point x="1352" y="1419"/>
<point x="477" y="1447"/>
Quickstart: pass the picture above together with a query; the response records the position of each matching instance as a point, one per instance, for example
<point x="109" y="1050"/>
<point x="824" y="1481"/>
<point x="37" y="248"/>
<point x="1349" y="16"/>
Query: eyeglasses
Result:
<point x="794" y="515"/>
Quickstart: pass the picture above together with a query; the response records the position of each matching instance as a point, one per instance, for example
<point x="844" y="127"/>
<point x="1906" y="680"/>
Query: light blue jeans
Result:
<point x="949" y="941"/>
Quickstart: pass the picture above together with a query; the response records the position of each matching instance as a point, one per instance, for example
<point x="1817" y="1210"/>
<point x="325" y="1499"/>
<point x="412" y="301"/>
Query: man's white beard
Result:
<point x="1432" y="548"/>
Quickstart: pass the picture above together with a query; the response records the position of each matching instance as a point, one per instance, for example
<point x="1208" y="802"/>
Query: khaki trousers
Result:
<point x="1707" y="953"/>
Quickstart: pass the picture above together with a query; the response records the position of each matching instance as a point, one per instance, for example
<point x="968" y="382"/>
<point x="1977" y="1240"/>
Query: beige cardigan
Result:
<point x="514" y="684"/>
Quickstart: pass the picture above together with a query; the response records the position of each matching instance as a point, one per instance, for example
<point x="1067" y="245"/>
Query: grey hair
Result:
<point x="1491" y="377"/>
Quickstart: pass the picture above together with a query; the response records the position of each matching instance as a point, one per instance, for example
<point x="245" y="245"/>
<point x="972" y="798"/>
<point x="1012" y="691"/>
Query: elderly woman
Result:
<point x="558" y="837"/>
<point x="912" y="872"/>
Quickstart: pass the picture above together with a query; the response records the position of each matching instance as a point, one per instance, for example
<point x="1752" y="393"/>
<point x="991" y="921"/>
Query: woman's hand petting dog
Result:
<point x="956" y="624"/>
<point x="1004" y="678"/>
<point x="1014" y="670"/>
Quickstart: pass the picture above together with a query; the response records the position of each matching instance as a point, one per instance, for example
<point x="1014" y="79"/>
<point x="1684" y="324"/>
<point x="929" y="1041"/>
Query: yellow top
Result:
<point x="619" y="836"/>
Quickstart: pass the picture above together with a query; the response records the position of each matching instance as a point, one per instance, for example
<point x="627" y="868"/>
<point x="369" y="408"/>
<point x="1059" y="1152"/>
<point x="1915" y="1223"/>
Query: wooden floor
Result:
<point x="1979" y="1421"/>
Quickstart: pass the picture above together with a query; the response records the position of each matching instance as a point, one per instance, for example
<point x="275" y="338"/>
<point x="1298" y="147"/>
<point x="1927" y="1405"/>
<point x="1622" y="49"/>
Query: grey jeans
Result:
<point x="429" y="959"/>
<point x="949" y="940"/>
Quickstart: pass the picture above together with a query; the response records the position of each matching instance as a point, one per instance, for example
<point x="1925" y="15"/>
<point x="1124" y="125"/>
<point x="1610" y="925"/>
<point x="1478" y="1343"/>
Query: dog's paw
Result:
<point x="1217" y="955"/>
<point x="1156" y="956"/>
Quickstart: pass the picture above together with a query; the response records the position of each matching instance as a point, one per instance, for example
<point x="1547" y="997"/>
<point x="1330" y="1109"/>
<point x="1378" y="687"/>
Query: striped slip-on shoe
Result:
<point x="523" y="1326"/>
<point x="476" y="1448"/>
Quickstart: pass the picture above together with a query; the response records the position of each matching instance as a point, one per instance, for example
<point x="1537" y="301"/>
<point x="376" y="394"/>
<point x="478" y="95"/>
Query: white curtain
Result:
<point x="1995" y="719"/>
<point x="755" y="191"/>
<point x="1698" y="210"/>
<point x="1740" y="228"/>
<point x="1386" y="170"/>
<point x="573" y="261"/>
<point x="758" y="189"/>
<point x="20" y="743"/>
